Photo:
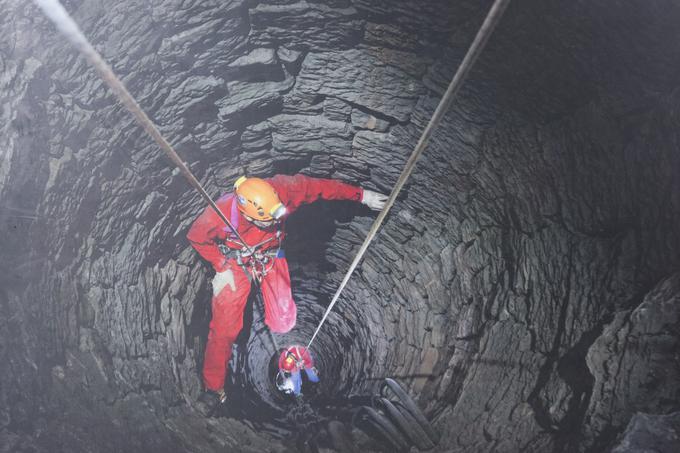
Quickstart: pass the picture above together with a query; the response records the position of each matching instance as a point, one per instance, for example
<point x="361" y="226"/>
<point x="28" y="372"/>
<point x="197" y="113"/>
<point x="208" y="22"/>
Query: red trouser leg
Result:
<point x="226" y="323"/>
<point x="279" y="306"/>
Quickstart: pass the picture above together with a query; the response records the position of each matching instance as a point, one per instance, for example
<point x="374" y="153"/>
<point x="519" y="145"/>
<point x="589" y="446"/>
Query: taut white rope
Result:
<point x="492" y="19"/>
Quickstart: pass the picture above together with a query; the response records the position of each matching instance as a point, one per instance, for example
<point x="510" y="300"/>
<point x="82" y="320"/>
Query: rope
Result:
<point x="64" y="23"/>
<point x="271" y="334"/>
<point x="60" y="17"/>
<point x="492" y="19"/>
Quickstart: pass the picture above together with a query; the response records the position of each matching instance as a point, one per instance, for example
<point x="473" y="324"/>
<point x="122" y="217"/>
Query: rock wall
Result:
<point x="644" y="432"/>
<point x="500" y="290"/>
<point x="635" y="362"/>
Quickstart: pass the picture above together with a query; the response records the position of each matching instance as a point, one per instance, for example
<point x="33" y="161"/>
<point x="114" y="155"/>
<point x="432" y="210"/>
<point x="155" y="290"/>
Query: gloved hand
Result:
<point x="374" y="200"/>
<point x="222" y="279"/>
<point x="312" y="374"/>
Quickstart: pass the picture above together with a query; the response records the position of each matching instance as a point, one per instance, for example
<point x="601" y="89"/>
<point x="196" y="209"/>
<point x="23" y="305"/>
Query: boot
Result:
<point x="209" y="401"/>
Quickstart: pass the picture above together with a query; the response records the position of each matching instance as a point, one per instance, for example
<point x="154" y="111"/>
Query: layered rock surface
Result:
<point x="646" y="432"/>
<point x="523" y="287"/>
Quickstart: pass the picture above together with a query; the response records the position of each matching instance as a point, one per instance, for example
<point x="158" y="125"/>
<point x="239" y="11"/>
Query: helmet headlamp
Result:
<point x="278" y="211"/>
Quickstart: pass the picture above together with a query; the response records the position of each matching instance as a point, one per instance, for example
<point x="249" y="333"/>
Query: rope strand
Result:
<point x="492" y="19"/>
<point x="64" y="23"/>
<point x="60" y="17"/>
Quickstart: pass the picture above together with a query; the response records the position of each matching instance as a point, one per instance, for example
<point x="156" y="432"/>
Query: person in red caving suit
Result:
<point x="256" y="208"/>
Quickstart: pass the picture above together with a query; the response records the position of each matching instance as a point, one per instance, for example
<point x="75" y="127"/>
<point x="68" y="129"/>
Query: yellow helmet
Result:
<point x="257" y="199"/>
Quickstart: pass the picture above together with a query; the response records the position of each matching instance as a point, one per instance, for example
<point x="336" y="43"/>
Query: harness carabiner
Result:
<point x="258" y="263"/>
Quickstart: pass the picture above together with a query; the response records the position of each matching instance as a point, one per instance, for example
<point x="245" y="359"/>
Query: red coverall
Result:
<point x="208" y="231"/>
<point x="299" y="354"/>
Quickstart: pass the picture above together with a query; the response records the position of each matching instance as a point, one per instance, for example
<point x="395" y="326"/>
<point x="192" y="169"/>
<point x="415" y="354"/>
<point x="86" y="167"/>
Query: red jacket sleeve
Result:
<point x="300" y="189"/>
<point x="206" y="233"/>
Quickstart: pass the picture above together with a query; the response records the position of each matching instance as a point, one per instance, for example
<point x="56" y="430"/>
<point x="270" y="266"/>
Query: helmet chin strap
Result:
<point x="261" y="223"/>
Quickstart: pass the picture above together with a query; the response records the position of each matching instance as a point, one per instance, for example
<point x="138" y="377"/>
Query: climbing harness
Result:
<point x="255" y="261"/>
<point x="492" y="19"/>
